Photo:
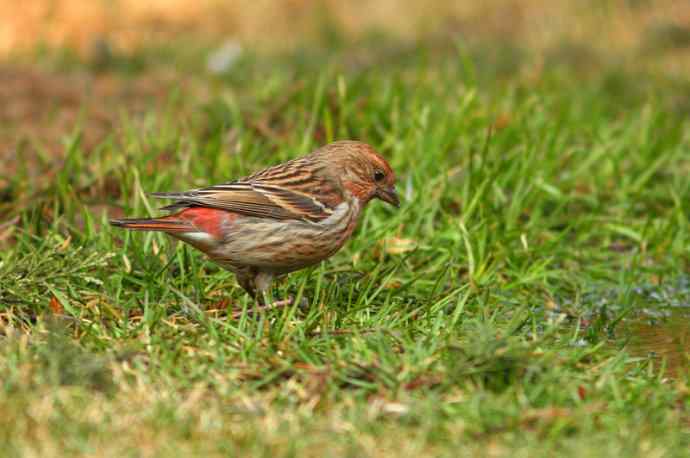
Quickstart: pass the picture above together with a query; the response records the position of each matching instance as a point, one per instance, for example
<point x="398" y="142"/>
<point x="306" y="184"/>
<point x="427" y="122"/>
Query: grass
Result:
<point x="486" y="317"/>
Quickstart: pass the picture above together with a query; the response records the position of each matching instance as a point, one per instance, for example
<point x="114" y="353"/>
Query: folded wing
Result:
<point x="277" y="193"/>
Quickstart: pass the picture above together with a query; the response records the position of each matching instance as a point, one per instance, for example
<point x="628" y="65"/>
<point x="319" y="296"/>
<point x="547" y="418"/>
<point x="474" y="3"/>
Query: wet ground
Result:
<point x="665" y="340"/>
<point x="659" y="327"/>
<point x="650" y="321"/>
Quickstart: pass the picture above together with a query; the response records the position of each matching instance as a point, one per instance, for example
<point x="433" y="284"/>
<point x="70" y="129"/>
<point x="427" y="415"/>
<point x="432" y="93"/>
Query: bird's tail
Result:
<point x="165" y="224"/>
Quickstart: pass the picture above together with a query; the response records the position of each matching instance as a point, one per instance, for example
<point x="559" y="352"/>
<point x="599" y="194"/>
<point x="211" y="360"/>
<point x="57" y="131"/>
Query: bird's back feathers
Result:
<point x="298" y="189"/>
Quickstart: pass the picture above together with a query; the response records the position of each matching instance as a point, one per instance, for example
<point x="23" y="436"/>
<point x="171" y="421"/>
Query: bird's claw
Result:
<point x="259" y="307"/>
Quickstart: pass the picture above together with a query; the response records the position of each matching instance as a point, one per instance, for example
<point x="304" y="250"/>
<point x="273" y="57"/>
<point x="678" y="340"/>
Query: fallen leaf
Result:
<point x="393" y="284"/>
<point x="396" y="245"/>
<point x="56" y="306"/>
<point x="64" y="245"/>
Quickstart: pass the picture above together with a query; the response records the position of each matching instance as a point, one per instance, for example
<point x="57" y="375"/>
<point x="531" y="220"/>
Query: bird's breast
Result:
<point x="286" y="245"/>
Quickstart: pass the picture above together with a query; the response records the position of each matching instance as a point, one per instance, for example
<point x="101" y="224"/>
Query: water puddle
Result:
<point x="655" y="321"/>
<point x="659" y="327"/>
<point x="666" y="340"/>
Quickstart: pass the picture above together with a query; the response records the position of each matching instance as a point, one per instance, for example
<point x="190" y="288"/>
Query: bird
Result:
<point x="281" y="219"/>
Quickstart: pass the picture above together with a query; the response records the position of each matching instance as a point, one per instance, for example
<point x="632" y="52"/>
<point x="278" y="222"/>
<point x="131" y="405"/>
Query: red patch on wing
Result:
<point x="209" y="220"/>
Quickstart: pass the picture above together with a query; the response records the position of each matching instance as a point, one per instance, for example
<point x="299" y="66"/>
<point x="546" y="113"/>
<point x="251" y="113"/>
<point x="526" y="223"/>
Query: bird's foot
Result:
<point x="264" y="306"/>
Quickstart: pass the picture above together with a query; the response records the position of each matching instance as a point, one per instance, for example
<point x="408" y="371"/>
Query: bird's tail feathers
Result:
<point x="165" y="224"/>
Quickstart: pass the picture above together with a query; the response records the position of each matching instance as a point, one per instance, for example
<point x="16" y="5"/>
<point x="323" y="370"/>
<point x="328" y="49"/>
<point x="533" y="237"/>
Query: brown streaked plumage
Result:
<point x="281" y="219"/>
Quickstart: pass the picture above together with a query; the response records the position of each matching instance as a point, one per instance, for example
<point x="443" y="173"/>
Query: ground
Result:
<point x="528" y="298"/>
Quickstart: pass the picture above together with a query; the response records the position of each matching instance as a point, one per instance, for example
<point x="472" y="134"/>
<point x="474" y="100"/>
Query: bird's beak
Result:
<point x="389" y="195"/>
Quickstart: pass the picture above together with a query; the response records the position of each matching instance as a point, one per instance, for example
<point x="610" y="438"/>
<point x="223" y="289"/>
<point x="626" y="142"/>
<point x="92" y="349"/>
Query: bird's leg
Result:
<point x="245" y="278"/>
<point x="263" y="282"/>
<point x="258" y="286"/>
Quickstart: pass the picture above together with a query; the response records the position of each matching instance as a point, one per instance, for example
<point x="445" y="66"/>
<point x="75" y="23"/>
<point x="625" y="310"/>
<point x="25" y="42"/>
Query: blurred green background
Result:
<point x="69" y="61"/>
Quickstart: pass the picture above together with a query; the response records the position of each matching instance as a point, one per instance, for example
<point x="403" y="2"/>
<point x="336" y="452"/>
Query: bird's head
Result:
<point x="362" y="171"/>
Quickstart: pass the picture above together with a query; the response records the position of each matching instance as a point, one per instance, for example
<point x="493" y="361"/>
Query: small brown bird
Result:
<point x="281" y="219"/>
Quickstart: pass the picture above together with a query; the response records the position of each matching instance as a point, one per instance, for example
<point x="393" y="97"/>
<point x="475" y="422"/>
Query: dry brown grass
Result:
<point x="130" y="24"/>
<point x="42" y="107"/>
<point x="542" y="26"/>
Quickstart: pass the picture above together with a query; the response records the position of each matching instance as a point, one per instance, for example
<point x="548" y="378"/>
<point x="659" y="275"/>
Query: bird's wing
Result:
<point x="281" y="192"/>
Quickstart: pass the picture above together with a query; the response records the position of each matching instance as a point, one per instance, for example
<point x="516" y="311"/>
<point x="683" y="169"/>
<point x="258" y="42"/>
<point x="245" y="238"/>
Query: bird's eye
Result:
<point x="379" y="176"/>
